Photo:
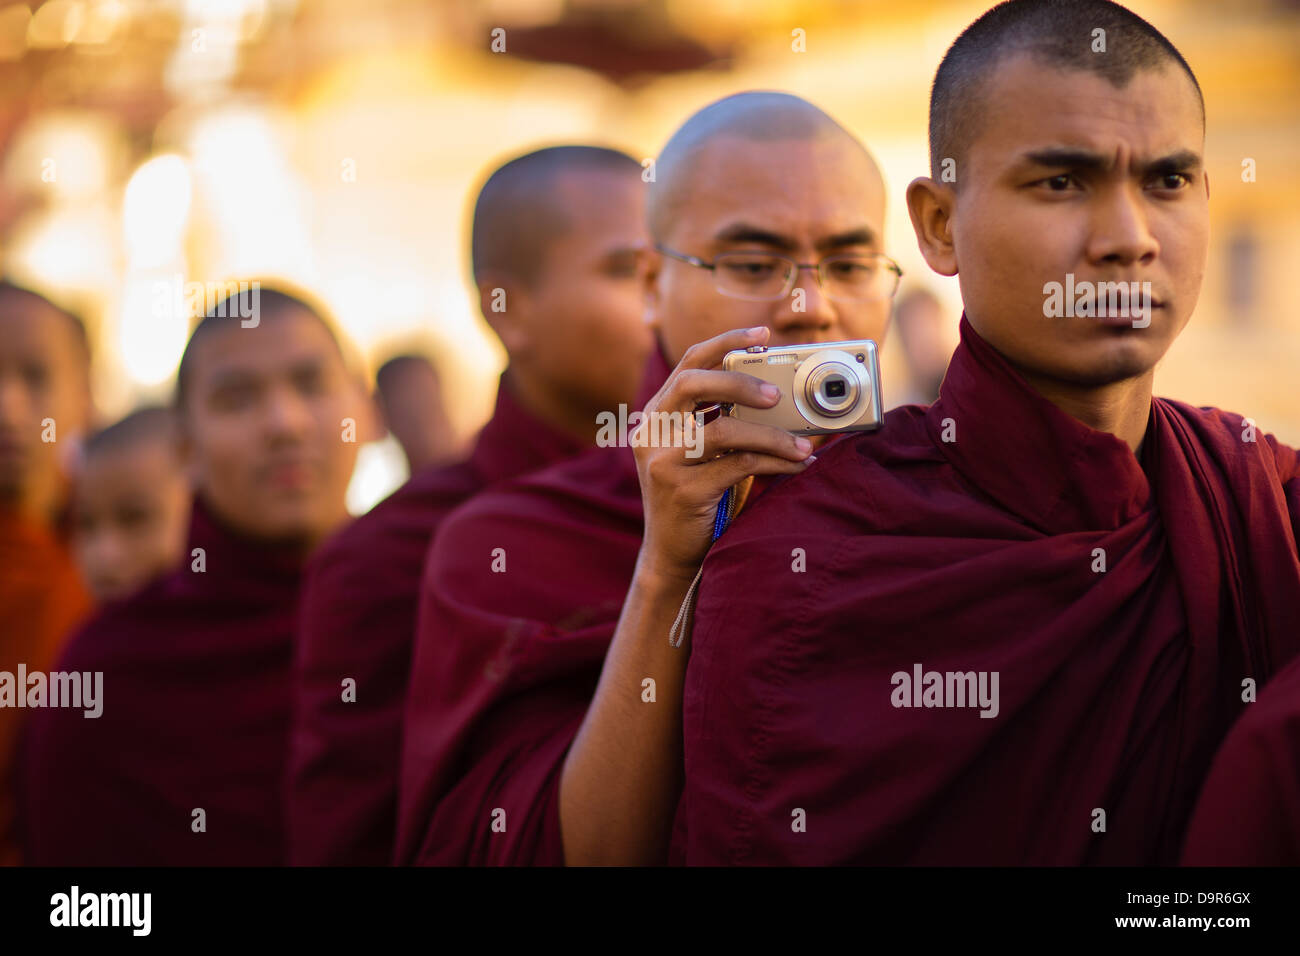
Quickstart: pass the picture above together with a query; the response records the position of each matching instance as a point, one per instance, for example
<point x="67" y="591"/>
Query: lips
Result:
<point x="296" y="474"/>
<point x="1117" y="309"/>
<point x="1127" y="317"/>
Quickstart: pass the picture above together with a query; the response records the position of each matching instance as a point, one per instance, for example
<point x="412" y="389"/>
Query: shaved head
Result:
<point x="267" y="303"/>
<point x="268" y="418"/>
<point x="44" y="384"/>
<point x="142" y="426"/>
<point x="14" y="296"/>
<point x="520" y="210"/>
<point x="1056" y="33"/>
<point x="132" y="503"/>
<point x="752" y="118"/>
<point x="414" y="410"/>
<point x="399" y="364"/>
<point x="761" y="174"/>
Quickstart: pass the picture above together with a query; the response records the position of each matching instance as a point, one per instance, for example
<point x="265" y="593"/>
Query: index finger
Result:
<point x="710" y="352"/>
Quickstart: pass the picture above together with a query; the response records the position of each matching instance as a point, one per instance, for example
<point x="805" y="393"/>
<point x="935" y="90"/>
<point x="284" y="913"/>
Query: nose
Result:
<point x="286" y="414"/>
<point x="105" y="550"/>
<point x="806" y="308"/>
<point x="1121" y="233"/>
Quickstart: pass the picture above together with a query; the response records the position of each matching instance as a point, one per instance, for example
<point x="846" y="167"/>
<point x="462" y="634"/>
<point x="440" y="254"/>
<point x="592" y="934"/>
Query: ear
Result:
<point x="505" y="305"/>
<point x="649" y="270"/>
<point x="931" y="205"/>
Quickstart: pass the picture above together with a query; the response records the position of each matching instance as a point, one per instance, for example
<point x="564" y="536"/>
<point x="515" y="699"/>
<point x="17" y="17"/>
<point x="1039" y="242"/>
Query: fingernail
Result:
<point x="770" y="391"/>
<point x="803" y="444"/>
<point x="810" y="459"/>
<point x="758" y="330"/>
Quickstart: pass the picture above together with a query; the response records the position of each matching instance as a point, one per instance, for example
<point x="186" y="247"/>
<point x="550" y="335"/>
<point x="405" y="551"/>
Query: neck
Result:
<point x="573" y="419"/>
<point x="294" y="546"/>
<point x="1121" y="408"/>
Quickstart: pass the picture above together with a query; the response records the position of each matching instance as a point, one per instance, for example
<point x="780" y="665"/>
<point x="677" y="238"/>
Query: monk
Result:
<point x="532" y="735"/>
<point x="1011" y="628"/>
<point x="45" y="405"/>
<point x="1248" y="813"/>
<point x="132" y="504"/>
<point x="409" y="394"/>
<point x="183" y="763"/>
<point x="555" y="243"/>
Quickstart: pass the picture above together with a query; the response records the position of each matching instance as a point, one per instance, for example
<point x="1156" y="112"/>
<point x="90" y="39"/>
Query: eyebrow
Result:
<point x="1180" y="161"/>
<point x="861" y="236"/>
<point x="744" y="232"/>
<point x="621" y="251"/>
<point x="247" y="378"/>
<point x="233" y="378"/>
<point x="308" y="365"/>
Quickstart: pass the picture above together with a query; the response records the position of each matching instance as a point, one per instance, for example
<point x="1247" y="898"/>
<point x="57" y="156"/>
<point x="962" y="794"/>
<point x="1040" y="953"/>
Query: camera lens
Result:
<point x="832" y="389"/>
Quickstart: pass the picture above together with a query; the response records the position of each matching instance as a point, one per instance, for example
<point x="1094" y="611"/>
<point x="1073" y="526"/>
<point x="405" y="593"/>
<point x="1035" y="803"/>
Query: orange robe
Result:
<point x="41" y="600"/>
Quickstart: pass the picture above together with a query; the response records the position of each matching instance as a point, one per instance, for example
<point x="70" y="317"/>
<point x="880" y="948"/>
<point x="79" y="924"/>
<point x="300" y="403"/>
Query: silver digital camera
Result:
<point x="826" y="388"/>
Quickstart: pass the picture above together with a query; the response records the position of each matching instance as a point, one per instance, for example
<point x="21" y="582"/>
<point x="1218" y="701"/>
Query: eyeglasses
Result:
<point x="764" y="277"/>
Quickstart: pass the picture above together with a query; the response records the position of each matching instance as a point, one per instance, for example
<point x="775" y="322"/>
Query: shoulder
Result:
<point x="851" y="478"/>
<point x="568" y="538"/>
<point x="600" y="479"/>
<point x="394" y="531"/>
<point x="428" y="495"/>
<point x="115" y="631"/>
<point x="596" y="489"/>
<point x="1215" y="423"/>
<point x="1235" y="436"/>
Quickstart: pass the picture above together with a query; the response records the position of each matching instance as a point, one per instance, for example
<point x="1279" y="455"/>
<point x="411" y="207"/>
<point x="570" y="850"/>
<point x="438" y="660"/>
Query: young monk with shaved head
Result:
<point x="132" y="504"/>
<point x="180" y="758"/>
<point x="410" y="396"/>
<point x="532" y="734"/>
<point x="556" y="236"/>
<point x="45" y="406"/>
<point x="1025" y="614"/>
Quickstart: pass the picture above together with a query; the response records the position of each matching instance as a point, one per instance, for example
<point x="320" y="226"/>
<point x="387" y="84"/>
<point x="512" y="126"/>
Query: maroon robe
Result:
<point x="977" y="555"/>
<point x="358" y="621"/>
<point x="1248" y="813"/>
<point x="195" y="698"/>
<point x="506" y="662"/>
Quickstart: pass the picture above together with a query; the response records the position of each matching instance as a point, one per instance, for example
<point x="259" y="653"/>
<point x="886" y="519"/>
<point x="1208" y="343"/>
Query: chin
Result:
<point x="1118" y="364"/>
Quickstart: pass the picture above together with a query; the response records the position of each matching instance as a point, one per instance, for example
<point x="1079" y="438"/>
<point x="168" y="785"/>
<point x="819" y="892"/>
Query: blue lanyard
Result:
<point x="724" y="513"/>
<point x="726" y="508"/>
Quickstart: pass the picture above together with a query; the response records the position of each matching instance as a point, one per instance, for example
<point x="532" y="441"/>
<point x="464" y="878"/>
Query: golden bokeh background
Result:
<point x="145" y="144"/>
